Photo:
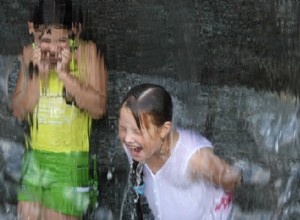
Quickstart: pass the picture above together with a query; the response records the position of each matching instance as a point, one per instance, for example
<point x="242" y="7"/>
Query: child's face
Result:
<point x="51" y="40"/>
<point x="141" y="143"/>
<point x="54" y="39"/>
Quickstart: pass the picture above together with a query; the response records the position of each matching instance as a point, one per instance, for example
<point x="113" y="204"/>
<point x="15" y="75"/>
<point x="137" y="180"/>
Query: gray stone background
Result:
<point x="252" y="43"/>
<point x="232" y="68"/>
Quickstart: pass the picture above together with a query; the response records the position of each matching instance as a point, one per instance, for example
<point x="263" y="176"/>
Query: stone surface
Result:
<point x="260" y="128"/>
<point x="249" y="43"/>
<point x="231" y="67"/>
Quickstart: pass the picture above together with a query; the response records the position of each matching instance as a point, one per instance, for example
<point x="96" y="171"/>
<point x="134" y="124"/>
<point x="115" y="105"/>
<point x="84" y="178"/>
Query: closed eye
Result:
<point x="46" y="40"/>
<point x="63" y="40"/>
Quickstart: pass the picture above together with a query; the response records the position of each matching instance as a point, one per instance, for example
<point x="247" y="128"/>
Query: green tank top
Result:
<point x="57" y="126"/>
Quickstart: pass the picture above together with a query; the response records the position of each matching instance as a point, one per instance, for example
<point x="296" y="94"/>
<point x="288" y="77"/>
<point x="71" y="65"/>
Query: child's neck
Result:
<point x="157" y="161"/>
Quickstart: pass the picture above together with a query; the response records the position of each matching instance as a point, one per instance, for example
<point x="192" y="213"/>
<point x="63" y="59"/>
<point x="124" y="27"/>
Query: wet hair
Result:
<point x="146" y="100"/>
<point x="149" y="100"/>
<point x="58" y="12"/>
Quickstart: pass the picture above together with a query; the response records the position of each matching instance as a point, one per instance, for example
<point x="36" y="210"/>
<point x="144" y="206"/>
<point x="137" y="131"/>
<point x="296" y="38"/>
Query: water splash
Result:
<point x="288" y="204"/>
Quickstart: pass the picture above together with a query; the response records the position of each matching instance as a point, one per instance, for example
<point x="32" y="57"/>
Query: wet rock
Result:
<point x="12" y="154"/>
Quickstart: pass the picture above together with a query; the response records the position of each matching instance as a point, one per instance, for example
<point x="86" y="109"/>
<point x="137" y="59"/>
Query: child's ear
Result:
<point x="165" y="129"/>
<point x="30" y="27"/>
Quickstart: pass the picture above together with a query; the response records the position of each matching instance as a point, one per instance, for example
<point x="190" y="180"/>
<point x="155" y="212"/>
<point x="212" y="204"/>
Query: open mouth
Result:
<point x="136" y="149"/>
<point x="53" y="60"/>
<point x="53" y="57"/>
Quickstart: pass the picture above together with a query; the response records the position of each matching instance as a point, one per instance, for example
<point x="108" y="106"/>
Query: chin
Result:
<point x="138" y="158"/>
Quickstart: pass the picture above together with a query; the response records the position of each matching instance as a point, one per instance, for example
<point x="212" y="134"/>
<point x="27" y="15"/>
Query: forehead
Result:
<point x="126" y="116"/>
<point x="52" y="30"/>
<point x="127" y="119"/>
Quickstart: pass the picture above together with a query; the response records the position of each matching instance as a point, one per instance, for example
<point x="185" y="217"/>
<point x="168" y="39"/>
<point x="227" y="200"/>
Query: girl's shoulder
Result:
<point x="192" y="140"/>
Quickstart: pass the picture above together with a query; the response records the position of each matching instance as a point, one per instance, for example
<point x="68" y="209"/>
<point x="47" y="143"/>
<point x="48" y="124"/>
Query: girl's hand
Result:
<point x="63" y="62"/>
<point x="41" y="60"/>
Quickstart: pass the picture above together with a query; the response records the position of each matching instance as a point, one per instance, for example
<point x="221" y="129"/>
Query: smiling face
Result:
<point x="142" y="143"/>
<point x="54" y="39"/>
<point x="51" y="40"/>
<point x="145" y="123"/>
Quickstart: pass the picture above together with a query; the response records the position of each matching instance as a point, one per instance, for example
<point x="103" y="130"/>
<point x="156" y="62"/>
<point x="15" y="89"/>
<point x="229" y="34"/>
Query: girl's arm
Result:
<point x="205" y="164"/>
<point x="91" y="93"/>
<point x="26" y="94"/>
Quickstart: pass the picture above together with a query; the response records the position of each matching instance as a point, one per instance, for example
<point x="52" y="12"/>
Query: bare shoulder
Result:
<point x="91" y="45"/>
<point x="203" y="152"/>
<point x="86" y="49"/>
<point x="201" y="157"/>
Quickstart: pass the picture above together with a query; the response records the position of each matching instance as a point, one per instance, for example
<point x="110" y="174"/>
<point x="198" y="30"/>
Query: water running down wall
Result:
<point x="231" y="67"/>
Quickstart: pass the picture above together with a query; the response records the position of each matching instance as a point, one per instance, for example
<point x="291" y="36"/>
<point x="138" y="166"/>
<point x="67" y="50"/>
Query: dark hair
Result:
<point x="149" y="100"/>
<point x="50" y="12"/>
<point x="146" y="100"/>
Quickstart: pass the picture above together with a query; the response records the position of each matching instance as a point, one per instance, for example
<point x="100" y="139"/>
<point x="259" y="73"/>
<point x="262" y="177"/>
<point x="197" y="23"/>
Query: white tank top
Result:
<point x="171" y="194"/>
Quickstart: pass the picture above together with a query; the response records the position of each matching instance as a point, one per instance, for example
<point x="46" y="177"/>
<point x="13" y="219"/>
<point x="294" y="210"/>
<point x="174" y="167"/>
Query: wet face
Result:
<point x="52" y="40"/>
<point x="141" y="143"/>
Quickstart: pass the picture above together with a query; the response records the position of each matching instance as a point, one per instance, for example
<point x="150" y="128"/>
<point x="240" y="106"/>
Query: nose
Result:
<point x="53" y="47"/>
<point x="128" y="137"/>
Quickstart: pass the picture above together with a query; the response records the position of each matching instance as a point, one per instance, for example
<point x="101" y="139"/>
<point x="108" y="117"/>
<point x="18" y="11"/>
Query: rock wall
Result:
<point x="231" y="67"/>
<point x="249" y="43"/>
